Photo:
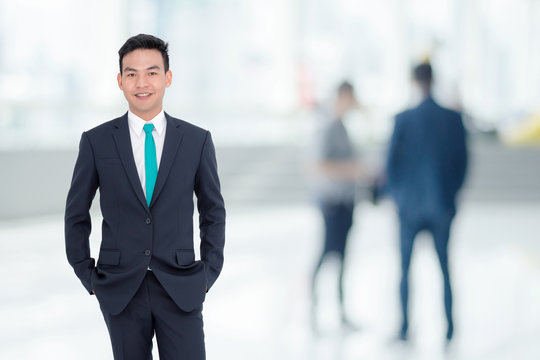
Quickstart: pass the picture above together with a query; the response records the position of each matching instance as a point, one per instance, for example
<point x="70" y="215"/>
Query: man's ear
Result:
<point x="119" y="79"/>
<point x="168" y="78"/>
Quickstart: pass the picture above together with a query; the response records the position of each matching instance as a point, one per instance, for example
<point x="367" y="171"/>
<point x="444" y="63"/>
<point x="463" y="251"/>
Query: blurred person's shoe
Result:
<point x="449" y="336"/>
<point x="449" y="348"/>
<point x="402" y="335"/>
<point x="313" y="325"/>
<point x="348" y="326"/>
<point x="450" y="333"/>
<point x="400" y="339"/>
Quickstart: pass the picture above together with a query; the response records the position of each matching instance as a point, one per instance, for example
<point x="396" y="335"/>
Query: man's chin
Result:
<point x="144" y="113"/>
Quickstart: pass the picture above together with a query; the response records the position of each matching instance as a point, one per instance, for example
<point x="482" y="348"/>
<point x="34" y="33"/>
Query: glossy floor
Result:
<point x="260" y="306"/>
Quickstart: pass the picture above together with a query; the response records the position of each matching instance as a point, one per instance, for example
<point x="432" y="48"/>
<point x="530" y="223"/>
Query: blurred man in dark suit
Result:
<point x="426" y="168"/>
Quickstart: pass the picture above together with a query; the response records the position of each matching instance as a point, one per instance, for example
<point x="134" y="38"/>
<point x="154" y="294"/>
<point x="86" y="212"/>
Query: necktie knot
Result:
<point x="148" y="128"/>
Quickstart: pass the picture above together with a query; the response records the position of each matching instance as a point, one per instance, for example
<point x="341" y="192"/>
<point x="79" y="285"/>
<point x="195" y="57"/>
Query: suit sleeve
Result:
<point x="461" y="154"/>
<point x="78" y="224"/>
<point x="211" y="212"/>
<point x="393" y="162"/>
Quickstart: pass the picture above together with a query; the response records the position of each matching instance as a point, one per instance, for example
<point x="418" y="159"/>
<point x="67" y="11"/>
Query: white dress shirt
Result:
<point x="138" y="137"/>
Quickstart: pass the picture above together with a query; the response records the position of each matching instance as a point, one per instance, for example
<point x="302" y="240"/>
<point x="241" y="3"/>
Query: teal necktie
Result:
<point x="150" y="161"/>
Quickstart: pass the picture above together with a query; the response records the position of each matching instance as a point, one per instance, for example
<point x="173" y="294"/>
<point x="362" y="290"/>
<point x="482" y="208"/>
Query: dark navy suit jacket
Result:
<point x="135" y="235"/>
<point x="427" y="160"/>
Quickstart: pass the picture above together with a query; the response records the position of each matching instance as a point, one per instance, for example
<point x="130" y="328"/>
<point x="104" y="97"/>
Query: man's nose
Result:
<point x="141" y="81"/>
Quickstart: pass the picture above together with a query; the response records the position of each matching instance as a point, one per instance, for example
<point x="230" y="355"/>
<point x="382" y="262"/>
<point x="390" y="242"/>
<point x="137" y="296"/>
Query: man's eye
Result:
<point x="153" y="73"/>
<point x="130" y="75"/>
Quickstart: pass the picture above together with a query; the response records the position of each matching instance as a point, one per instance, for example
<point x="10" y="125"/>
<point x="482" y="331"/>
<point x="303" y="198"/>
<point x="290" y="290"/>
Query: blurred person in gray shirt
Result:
<point x="336" y="171"/>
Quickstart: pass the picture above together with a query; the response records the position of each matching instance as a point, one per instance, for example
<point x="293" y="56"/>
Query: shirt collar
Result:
<point x="136" y="123"/>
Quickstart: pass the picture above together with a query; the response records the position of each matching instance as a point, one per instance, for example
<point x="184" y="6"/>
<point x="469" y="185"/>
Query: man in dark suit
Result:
<point x="147" y="166"/>
<point x="426" y="168"/>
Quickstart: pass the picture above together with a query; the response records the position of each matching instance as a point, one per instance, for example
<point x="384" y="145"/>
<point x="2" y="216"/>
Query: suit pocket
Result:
<point x="185" y="258"/>
<point x="109" y="257"/>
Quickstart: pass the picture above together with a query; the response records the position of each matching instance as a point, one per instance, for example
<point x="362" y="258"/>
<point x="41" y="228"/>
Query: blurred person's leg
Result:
<point x="408" y="231"/>
<point x="337" y="223"/>
<point x="329" y="230"/>
<point x="345" y="223"/>
<point x="441" y="235"/>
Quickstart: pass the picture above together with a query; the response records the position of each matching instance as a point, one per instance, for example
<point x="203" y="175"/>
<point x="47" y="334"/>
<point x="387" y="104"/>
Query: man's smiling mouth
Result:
<point x="143" y="95"/>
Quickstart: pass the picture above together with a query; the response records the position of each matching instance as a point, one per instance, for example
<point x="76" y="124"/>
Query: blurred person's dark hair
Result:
<point x="423" y="74"/>
<point x="345" y="99"/>
<point x="345" y="87"/>
<point x="144" y="41"/>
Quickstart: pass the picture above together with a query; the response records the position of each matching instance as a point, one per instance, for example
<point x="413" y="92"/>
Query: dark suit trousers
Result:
<point x="439" y="227"/>
<point x="179" y="334"/>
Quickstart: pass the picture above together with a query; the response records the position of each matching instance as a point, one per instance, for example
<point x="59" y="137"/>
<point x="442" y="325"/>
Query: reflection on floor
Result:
<point x="259" y="308"/>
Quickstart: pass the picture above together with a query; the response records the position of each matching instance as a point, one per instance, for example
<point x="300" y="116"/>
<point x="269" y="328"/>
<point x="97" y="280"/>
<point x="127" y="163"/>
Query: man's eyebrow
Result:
<point x="153" y="67"/>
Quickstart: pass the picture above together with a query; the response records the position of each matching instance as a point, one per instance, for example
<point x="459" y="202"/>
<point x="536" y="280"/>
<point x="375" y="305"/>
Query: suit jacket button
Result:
<point x="147" y="252"/>
<point x="148" y="221"/>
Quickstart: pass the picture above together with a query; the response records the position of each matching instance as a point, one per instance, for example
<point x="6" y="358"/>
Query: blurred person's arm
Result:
<point x="393" y="162"/>
<point x="461" y="154"/>
<point x="78" y="224"/>
<point x="347" y="170"/>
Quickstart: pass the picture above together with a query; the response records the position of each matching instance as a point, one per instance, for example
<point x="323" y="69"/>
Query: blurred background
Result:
<point x="251" y="72"/>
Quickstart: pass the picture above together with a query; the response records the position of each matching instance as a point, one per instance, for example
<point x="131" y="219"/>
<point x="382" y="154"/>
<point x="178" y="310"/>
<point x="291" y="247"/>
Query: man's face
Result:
<point x="143" y="81"/>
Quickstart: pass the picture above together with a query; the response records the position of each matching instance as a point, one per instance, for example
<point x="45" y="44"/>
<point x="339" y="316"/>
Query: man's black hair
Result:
<point x="143" y="41"/>
<point x="423" y="74"/>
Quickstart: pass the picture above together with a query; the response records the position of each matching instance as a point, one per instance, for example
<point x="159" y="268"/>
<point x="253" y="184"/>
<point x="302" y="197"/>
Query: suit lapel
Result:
<point x="173" y="138"/>
<point x="125" y="150"/>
